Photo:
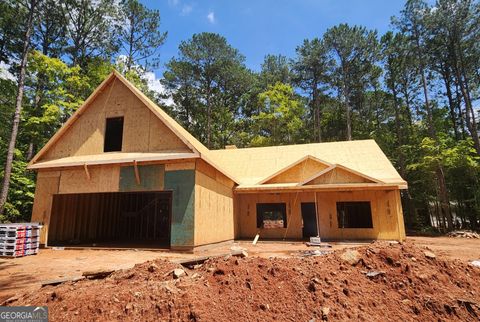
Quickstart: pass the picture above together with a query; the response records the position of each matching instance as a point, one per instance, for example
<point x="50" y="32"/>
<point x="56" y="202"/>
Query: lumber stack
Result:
<point x="17" y="240"/>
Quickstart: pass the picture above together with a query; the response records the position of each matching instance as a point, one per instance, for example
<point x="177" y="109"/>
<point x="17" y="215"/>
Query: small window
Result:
<point x="113" y="134"/>
<point x="356" y="214"/>
<point x="271" y="215"/>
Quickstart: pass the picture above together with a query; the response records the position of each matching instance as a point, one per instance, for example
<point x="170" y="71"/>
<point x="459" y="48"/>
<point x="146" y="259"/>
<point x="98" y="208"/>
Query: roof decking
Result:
<point x="253" y="165"/>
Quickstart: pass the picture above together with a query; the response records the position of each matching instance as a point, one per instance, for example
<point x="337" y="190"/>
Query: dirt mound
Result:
<point x="378" y="282"/>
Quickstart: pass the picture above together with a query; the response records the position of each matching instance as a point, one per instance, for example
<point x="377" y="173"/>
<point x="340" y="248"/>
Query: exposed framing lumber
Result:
<point x="293" y="165"/>
<point x="339" y="166"/>
<point x="137" y="174"/>
<point x="87" y="173"/>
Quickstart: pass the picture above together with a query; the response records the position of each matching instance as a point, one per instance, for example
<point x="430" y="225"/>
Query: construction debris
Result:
<point x="429" y="254"/>
<point x="359" y="284"/>
<point x="96" y="274"/>
<point x="475" y="263"/>
<point x="61" y="280"/>
<point x="351" y="256"/>
<point x="464" y="234"/>
<point x="178" y="272"/>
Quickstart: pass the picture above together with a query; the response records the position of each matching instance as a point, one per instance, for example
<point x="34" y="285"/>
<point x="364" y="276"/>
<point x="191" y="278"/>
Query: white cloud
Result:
<point x="155" y="85"/>
<point x="211" y="17"/>
<point x="4" y="73"/>
<point x="186" y="9"/>
<point x="173" y="3"/>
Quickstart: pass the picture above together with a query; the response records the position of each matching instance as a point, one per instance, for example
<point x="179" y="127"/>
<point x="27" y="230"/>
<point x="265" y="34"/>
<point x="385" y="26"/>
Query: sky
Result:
<point x="261" y="27"/>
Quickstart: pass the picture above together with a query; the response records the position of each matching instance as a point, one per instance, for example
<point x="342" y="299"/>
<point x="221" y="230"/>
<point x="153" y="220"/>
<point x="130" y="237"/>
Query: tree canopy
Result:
<point x="414" y="89"/>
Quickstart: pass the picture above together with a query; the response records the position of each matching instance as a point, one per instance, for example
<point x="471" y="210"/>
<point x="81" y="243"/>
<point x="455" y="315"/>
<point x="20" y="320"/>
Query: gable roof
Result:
<point x="251" y="168"/>
<point x="352" y="173"/>
<point x="255" y="165"/>
<point x="196" y="146"/>
<point x="292" y="166"/>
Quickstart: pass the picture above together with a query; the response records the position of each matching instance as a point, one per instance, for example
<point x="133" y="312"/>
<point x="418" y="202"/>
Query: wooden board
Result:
<point x="47" y="185"/>
<point x="338" y="175"/>
<point x="103" y="178"/>
<point x="298" y="172"/>
<point x="214" y="213"/>
<point x="85" y="136"/>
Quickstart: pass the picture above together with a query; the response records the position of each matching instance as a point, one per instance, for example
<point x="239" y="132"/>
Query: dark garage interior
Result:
<point x="111" y="218"/>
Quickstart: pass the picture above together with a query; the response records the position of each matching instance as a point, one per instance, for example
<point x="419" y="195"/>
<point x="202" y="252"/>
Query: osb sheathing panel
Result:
<point x="143" y="131"/>
<point x="251" y="165"/>
<point x="182" y="184"/>
<point x="339" y="175"/>
<point x="102" y="179"/>
<point x="299" y="172"/>
<point x="47" y="185"/>
<point x="214" y="218"/>
<point x="180" y="166"/>
<point x="387" y="215"/>
<point x="210" y="171"/>
<point x="151" y="178"/>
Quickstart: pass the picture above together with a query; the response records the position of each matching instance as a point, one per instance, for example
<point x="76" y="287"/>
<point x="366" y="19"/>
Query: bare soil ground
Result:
<point x="380" y="281"/>
<point x="25" y="273"/>
<point x="454" y="248"/>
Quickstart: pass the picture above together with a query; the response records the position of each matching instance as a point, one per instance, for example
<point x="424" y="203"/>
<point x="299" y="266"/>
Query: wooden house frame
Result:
<point x="164" y="188"/>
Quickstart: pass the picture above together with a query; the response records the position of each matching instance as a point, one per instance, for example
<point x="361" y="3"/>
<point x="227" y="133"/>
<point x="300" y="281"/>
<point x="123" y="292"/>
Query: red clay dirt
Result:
<point x="409" y="285"/>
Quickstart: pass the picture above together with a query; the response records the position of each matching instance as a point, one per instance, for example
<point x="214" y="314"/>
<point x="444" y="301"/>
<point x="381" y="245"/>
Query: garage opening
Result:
<point x="123" y="219"/>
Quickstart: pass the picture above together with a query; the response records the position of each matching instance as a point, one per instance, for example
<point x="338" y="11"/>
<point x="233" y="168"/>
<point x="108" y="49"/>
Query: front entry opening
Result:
<point x="309" y="219"/>
<point x="111" y="219"/>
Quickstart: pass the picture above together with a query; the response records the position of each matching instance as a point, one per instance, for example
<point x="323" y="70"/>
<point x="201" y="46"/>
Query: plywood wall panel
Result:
<point x="214" y="213"/>
<point x="339" y="175"/>
<point x="143" y="131"/>
<point x="386" y="215"/>
<point x="102" y="179"/>
<point x="47" y="185"/>
<point x="299" y="172"/>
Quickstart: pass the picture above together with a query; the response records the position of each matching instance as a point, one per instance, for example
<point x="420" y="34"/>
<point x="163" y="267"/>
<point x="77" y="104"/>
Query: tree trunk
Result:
<point x="316" y="113"/>
<point x="465" y="89"/>
<point x="442" y="187"/>
<point x="451" y="102"/>
<point x="18" y="106"/>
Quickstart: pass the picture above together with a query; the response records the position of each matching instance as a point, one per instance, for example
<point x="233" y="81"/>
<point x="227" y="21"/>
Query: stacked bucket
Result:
<point x="17" y="240"/>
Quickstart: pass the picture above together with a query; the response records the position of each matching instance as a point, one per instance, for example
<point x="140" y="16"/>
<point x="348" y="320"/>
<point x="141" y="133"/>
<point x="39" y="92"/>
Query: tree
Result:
<point x="11" y="32"/>
<point x="50" y="33"/>
<point x="140" y="35"/>
<point x="280" y="119"/>
<point x="310" y="69"/>
<point x="275" y="68"/>
<point x="412" y="23"/>
<point x="31" y="7"/>
<point x="454" y="30"/>
<point x="213" y="72"/>
<point x="354" y="52"/>
<point x="90" y="29"/>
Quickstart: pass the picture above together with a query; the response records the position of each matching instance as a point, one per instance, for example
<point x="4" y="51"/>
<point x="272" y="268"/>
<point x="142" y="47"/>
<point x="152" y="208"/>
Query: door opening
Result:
<point x="309" y="220"/>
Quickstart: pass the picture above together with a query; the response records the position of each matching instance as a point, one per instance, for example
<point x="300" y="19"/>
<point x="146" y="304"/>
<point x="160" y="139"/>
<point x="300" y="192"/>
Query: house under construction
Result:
<point x="122" y="170"/>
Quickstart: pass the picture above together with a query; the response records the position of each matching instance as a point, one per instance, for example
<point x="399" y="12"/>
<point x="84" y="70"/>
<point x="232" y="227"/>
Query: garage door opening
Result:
<point x="111" y="219"/>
